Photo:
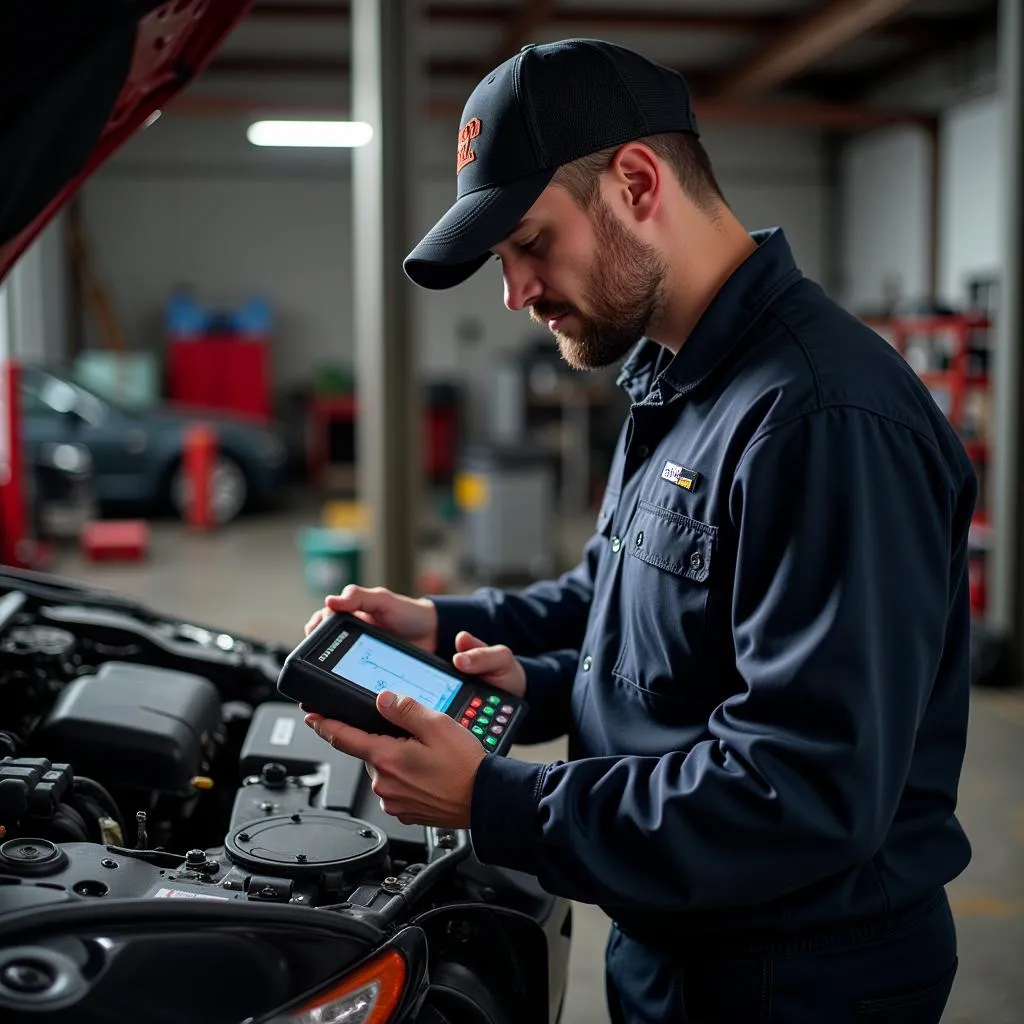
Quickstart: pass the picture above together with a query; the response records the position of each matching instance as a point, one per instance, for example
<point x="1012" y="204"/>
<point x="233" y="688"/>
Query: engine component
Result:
<point x="31" y="858"/>
<point x="279" y="736"/>
<point x="38" y="979"/>
<point x="308" y="845"/>
<point x="49" y="649"/>
<point x="279" y="746"/>
<point x="257" y="799"/>
<point x="146" y="727"/>
<point x="31" y="786"/>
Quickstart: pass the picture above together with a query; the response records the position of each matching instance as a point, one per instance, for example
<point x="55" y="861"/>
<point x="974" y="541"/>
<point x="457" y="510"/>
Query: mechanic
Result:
<point x="761" y="661"/>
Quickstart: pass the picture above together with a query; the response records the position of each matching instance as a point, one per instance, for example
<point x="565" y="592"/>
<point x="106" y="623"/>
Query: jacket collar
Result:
<point x="768" y="270"/>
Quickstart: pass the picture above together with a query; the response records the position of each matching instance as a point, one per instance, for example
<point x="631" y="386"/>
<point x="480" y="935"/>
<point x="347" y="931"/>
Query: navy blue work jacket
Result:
<point x="762" y="660"/>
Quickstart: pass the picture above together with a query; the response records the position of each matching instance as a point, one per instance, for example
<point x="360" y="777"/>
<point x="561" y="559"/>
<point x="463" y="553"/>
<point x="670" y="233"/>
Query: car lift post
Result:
<point x="15" y="544"/>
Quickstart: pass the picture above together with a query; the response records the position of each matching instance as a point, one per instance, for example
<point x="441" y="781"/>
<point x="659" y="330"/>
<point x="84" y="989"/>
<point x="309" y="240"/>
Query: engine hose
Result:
<point x="90" y="787"/>
<point x="91" y="813"/>
<point x="68" y="821"/>
<point x="10" y="743"/>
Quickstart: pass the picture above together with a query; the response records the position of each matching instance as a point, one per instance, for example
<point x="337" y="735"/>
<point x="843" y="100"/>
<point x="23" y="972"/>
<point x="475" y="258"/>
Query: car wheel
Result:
<point x="229" y="490"/>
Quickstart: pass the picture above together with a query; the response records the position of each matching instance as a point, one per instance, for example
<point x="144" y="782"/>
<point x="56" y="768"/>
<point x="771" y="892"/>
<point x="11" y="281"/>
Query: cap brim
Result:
<point x="458" y="245"/>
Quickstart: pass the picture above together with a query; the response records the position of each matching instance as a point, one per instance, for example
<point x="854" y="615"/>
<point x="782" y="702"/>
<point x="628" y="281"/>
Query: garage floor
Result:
<point x="249" y="578"/>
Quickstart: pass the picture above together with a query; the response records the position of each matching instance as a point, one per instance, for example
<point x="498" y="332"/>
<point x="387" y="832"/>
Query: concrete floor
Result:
<point x="249" y="578"/>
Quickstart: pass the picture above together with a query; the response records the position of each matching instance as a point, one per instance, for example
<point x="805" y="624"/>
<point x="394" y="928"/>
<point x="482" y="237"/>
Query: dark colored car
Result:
<point x="137" y="457"/>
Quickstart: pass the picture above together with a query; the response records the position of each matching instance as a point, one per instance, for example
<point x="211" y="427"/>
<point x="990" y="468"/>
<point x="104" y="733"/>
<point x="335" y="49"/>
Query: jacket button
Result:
<point x="695" y="560"/>
<point x="643" y="451"/>
<point x="587" y="662"/>
<point x="640" y="539"/>
<point x="616" y="544"/>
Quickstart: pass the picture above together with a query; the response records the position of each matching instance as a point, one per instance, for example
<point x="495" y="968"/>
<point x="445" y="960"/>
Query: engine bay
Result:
<point x="146" y="757"/>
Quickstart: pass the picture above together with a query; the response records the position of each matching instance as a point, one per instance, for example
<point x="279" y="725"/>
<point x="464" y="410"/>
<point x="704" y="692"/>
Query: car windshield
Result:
<point x="49" y="392"/>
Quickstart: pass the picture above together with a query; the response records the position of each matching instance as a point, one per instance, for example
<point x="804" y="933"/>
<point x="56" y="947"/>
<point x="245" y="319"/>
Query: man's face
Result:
<point x="582" y="273"/>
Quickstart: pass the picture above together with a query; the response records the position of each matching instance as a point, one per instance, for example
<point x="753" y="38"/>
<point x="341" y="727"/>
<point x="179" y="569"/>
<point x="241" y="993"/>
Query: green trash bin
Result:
<point x="331" y="558"/>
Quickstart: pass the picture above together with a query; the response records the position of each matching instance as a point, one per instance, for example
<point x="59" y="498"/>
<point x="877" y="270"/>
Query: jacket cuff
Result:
<point x="503" y="812"/>
<point x="455" y="614"/>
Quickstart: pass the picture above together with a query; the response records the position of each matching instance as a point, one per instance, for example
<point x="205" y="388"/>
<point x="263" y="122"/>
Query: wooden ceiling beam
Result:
<point x="279" y="65"/>
<point x="796" y="49"/>
<point x="297" y="65"/>
<point x="655" y="19"/>
<point x="525" y="20"/>
<point x="808" y="114"/>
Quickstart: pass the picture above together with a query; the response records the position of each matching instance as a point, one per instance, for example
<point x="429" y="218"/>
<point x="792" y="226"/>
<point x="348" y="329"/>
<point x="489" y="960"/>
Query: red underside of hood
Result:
<point x="79" y="87"/>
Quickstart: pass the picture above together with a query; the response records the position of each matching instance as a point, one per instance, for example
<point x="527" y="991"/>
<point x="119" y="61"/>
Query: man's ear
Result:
<point x="637" y="180"/>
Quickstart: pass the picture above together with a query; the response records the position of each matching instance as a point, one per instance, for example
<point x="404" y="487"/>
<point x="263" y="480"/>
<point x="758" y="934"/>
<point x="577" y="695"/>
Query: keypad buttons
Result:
<point x="475" y="702"/>
<point x="478" y="730"/>
<point x="497" y="730"/>
<point x="465" y="723"/>
<point x="501" y="719"/>
<point x="470" y="713"/>
<point x="507" y="709"/>
<point x="494" y="700"/>
<point x="491" y="741"/>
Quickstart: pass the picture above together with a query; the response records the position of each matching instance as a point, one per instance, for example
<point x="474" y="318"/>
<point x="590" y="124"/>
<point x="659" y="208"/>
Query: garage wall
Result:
<point x="886" y="185"/>
<point x="37" y="298"/>
<point x="884" y="207"/>
<point x="971" y="229"/>
<point x="189" y="200"/>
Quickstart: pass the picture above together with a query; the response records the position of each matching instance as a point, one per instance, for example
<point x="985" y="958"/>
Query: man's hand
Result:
<point x="496" y="665"/>
<point x="426" y="779"/>
<point x="412" y="619"/>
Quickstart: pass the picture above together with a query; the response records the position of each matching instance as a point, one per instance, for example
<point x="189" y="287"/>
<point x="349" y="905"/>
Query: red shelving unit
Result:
<point x="950" y="355"/>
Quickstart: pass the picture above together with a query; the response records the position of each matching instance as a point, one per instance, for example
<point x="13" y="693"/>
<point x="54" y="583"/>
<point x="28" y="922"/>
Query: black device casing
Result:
<point x="321" y="691"/>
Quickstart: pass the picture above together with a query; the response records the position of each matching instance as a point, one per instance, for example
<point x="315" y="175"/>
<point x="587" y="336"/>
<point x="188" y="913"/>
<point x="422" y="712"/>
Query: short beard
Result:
<point x="624" y="294"/>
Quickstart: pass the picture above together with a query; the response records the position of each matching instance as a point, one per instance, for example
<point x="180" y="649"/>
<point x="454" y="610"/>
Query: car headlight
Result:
<point x="70" y="458"/>
<point x="271" y="450"/>
<point x="369" y="995"/>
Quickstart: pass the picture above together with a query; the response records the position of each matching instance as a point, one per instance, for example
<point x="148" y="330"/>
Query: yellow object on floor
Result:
<point x="345" y="515"/>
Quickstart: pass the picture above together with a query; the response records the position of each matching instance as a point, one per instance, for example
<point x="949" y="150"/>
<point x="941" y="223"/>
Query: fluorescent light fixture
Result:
<point x="328" y="134"/>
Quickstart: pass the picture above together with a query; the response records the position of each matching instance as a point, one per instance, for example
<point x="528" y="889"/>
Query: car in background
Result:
<point x="138" y="456"/>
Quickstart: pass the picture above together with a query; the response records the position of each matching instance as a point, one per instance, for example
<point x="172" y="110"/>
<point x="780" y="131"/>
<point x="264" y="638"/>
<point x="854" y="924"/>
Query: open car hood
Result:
<point x="78" y="78"/>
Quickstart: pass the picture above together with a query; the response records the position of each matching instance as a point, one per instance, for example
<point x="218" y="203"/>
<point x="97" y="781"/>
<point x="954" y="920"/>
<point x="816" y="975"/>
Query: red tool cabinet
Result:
<point x="221" y="373"/>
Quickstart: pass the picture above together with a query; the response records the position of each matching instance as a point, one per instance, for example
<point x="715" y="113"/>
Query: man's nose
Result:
<point x="522" y="287"/>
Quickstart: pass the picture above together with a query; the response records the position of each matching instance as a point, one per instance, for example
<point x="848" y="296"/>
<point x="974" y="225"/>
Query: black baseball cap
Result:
<point x="548" y="105"/>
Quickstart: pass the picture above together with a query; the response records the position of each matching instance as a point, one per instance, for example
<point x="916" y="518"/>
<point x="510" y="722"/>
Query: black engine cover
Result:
<point x="135" y="726"/>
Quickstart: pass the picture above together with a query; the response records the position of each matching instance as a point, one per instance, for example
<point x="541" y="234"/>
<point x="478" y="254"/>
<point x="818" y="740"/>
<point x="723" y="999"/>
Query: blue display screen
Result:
<point x="376" y="666"/>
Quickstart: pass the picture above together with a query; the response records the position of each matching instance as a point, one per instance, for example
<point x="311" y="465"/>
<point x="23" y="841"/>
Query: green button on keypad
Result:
<point x="494" y="700"/>
<point x="491" y="741"/>
<point x="478" y="730"/>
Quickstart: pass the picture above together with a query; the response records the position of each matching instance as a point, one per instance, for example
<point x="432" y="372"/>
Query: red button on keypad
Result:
<point x="475" y="702"/>
<point x="464" y="723"/>
<point x="470" y="713"/>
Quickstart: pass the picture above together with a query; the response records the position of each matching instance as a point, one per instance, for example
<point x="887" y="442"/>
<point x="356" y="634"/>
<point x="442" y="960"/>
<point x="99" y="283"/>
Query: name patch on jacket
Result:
<point x="680" y="476"/>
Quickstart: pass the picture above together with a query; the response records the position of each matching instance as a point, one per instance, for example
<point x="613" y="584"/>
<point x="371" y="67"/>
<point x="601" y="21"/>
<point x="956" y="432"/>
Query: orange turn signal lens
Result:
<point x="369" y="995"/>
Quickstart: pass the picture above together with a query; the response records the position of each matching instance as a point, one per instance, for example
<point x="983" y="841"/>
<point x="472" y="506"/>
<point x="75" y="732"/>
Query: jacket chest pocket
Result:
<point x="667" y="572"/>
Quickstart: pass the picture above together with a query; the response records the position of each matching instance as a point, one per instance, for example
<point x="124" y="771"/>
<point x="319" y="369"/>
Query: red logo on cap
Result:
<point x="467" y="154"/>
